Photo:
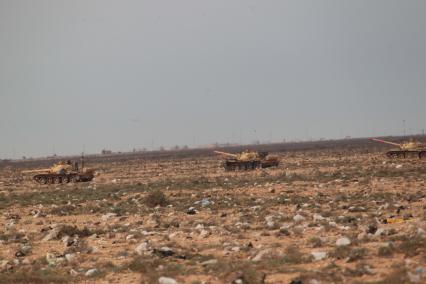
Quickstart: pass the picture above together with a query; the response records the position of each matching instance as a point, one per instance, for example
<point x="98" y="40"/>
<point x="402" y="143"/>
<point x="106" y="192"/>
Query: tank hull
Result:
<point x="63" y="178"/>
<point x="236" y="165"/>
<point x="270" y="163"/>
<point x="406" y="153"/>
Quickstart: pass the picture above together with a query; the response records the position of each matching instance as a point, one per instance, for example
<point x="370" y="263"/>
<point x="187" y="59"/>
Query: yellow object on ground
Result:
<point x="394" y="220"/>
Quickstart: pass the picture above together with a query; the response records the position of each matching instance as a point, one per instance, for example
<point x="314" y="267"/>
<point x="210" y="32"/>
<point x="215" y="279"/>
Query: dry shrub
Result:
<point x="156" y="198"/>
<point x="413" y="246"/>
<point x="293" y="255"/>
<point x="73" y="230"/>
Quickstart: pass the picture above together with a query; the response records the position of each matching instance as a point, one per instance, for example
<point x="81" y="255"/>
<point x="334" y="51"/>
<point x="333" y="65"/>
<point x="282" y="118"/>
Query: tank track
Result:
<point x="241" y="165"/>
<point x="233" y="165"/>
<point x="62" y="178"/>
<point x="405" y="154"/>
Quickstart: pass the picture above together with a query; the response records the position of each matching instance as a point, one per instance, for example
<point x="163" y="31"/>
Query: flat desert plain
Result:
<point x="324" y="215"/>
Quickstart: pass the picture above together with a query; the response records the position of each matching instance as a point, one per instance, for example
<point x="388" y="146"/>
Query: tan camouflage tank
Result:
<point x="411" y="147"/>
<point x="62" y="172"/>
<point x="248" y="160"/>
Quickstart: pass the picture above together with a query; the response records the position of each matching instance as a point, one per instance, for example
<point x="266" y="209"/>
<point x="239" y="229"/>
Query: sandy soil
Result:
<point x="320" y="217"/>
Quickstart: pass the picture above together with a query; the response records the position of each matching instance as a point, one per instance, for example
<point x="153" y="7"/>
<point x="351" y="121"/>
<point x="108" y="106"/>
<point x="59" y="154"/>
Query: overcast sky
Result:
<point x="83" y="74"/>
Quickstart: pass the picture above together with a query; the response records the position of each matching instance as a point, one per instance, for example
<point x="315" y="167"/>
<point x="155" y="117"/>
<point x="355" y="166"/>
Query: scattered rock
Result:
<point x="209" y="262"/>
<point x="271" y="224"/>
<point x="343" y="242"/>
<point x="356" y="209"/>
<point x="167" y="280"/>
<point x="23" y="251"/>
<point x="298" y="218"/>
<point x="51" y="259"/>
<point x="269" y="218"/>
<point x="380" y="232"/>
<point x="53" y="234"/>
<point x="142" y="248"/>
<point x="414" y="278"/>
<point x="259" y="256"/>
<point x="319" y="255"/>
<point x="318" y="217"/>
<point x="108" y="216"/>
<point x="70" y="257"/>
<point x="5" y="265"/>
<point x="37" y="214"/>
<point x="91" y="272"/>
<point x="191" y="211"/>
<point x="204" y="234"/>
<point x="421" y="232"/>
<point x="372" y="228"/>
<point x="362" y="236"/>
<point x="235" y="249"/>
<point x="298" y="230"/>
<point x="205" y="202"/>
<point x="26" y="261"/>
<point x="164" y="252"/>
<point x="283" y="232"/>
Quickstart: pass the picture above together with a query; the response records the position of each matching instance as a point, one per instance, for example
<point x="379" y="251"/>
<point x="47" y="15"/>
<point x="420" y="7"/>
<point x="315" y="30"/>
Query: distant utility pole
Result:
<point x="403" y="125"/>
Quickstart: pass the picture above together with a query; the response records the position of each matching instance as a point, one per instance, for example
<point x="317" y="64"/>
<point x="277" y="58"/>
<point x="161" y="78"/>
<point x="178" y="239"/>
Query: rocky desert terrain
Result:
<point x="325" y="215"/>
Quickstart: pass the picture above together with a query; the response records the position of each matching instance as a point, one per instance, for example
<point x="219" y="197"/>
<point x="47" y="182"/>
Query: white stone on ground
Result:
<point x="343" y="242"/>
<point x="167" y="280"/>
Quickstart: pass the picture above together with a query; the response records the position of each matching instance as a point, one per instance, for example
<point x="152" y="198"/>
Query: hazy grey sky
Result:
<point x="124" y="74"/>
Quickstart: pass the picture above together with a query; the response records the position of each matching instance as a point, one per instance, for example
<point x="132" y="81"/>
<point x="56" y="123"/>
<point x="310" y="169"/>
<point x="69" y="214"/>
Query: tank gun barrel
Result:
<point x="386" y="142"/>
<point x="226" y="154"/>
<point x="35" y="171"/>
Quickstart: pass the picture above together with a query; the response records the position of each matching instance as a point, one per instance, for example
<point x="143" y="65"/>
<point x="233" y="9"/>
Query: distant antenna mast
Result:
<point x="82" y="160"/>
<point x="403" y="125"/>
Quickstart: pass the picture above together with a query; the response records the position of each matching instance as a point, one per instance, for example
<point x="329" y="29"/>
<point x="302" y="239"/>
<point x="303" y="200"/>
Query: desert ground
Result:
<point x="329" y="213"/>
